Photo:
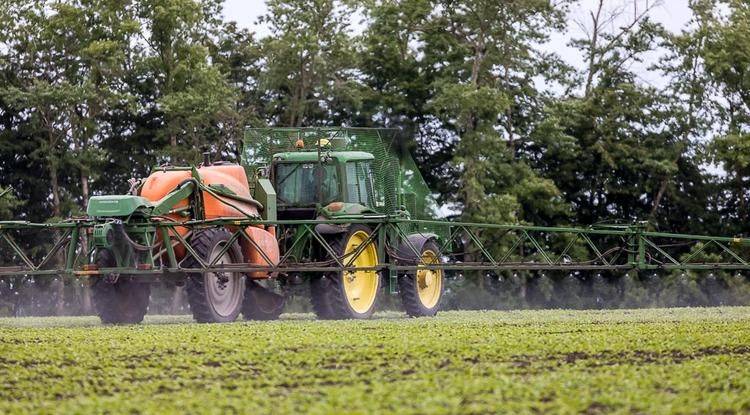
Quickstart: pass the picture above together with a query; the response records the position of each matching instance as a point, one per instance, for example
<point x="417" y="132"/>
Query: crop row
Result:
<point x="671" y="360"/>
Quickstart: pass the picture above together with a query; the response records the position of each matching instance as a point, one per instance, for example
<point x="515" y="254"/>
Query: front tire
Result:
<point x="349" y="294"/>
<point x="123" y="302"/>
<point x="215" y="297"/>
<point x="421" y="292"/>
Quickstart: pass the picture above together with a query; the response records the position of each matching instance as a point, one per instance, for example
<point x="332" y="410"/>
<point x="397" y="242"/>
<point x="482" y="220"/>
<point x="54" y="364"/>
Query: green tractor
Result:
<point x="333" y="187"/>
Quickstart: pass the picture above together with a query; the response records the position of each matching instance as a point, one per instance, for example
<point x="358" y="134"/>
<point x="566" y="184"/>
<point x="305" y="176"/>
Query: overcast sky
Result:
<point x="245" y="13"/>
<point x="673" y="14"/>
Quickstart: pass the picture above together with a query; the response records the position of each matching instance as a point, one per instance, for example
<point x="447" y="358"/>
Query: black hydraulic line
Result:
<point x="135" y="245"/>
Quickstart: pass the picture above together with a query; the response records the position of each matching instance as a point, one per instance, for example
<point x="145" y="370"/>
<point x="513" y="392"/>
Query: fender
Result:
<point x="417" y="241"/>
<point x="330" y="228"/>
<point x="339" y="210"/>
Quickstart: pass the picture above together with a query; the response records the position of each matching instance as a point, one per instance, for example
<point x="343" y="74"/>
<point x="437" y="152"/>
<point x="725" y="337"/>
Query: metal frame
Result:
<point x="467" y="247"/>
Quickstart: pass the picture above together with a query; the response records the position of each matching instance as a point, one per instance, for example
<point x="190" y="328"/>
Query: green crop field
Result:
<point x="625" y="361"/>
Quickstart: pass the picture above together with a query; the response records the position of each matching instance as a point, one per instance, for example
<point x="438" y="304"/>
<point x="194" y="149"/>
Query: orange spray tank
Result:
<point x="234" y="179"/>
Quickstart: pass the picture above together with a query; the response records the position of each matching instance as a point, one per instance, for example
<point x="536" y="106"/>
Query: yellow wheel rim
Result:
<point x="429" y="281"/>
<point x="361" y="287"/>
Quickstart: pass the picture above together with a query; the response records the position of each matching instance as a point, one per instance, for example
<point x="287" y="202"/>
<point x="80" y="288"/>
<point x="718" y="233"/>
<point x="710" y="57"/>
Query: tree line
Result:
<point x="94" y="92"/>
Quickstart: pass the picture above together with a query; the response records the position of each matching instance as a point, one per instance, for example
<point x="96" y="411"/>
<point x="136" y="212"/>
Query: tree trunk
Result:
<point x="84" y="190"/>
<point x="741" y="196"/>
<point x="592" y="48"/>
<point x="509" y="120"/>
<point x="55" y="182"/>
<point x="85" y="293"/>
<point x="659" y="196"/>
<point x="475" y="67"/>
<point x="296" y="107"/>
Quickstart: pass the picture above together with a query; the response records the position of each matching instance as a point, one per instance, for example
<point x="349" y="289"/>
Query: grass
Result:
<point x="625" y="361"/>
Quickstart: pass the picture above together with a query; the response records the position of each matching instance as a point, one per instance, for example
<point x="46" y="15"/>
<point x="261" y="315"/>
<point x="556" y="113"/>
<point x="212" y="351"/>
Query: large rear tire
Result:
<point x="215" y="297"/>
<point x="421" y="292"/>
<point x="351" y="294"/>
<point x="123" y="302"/>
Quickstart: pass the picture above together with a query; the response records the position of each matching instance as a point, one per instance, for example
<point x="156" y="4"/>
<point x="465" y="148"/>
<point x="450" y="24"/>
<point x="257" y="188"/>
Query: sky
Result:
<point x="672" y="14"/>
<point x="246" y="13"/>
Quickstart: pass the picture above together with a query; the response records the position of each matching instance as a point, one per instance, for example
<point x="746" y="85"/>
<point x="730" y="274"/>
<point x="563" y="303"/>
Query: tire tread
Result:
<point x="125" y="301"/>
<point x="409" y="292"/>
<point x="202" y="243"/>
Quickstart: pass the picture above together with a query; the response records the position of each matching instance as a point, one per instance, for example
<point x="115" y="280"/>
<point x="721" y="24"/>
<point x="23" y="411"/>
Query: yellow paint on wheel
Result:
<point x="361" y="286"/>
<point x="429" y="281"/>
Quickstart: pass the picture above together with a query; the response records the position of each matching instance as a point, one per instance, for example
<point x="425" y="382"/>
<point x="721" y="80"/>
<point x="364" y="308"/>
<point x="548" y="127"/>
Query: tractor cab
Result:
<point x="333" y="172"/>
<point x="308" y="181"/>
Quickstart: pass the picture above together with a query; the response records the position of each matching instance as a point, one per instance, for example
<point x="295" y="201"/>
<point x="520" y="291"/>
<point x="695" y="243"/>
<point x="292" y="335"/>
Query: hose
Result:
<point x="241" y="199"/>
<point x="135" y="245"/>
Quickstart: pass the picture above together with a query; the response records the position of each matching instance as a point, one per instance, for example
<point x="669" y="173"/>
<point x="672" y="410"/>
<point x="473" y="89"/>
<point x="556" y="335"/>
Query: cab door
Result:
<point x="360" y="186"/>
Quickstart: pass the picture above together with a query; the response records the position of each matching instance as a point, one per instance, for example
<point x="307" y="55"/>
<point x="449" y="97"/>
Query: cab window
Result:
<point x="359" y="183"/>
<point x="301" y="184"/>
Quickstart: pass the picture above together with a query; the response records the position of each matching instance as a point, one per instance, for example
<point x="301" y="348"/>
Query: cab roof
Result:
<point x="312" y="156"/>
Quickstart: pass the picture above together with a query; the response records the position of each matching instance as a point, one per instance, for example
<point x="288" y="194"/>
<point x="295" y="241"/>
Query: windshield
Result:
<point x="298" y="184"/>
